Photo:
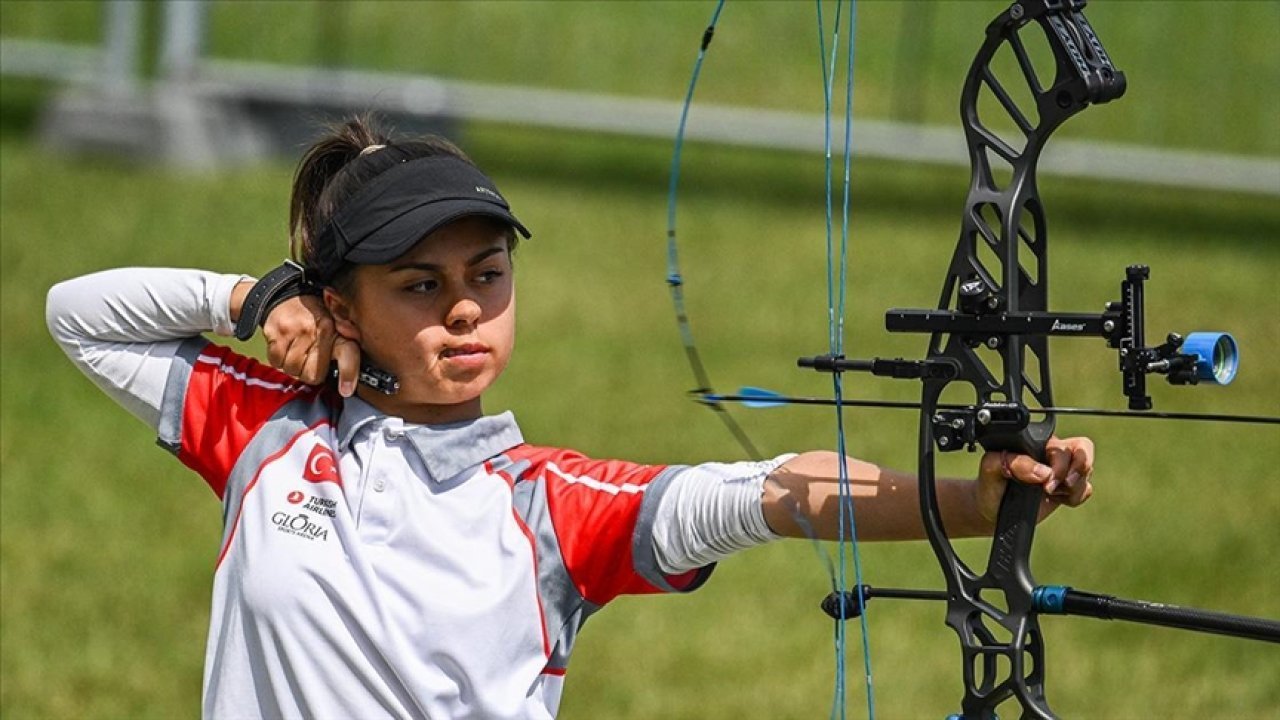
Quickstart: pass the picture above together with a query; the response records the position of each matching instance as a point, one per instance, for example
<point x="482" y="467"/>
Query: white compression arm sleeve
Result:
<point x="710" y="512"/>
<point x="122" y="327"/>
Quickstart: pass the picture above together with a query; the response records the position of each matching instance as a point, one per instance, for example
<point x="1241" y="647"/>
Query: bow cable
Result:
<point x="835" y="309"/>
<point x="837" y="284"/>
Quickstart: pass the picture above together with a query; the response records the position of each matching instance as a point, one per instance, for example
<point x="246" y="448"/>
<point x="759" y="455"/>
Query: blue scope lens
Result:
<point x="1217" y="357"/>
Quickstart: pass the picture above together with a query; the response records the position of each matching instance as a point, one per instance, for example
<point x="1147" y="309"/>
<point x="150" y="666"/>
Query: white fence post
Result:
<point x="183" y="39"/>
<point x="120" y="46"/>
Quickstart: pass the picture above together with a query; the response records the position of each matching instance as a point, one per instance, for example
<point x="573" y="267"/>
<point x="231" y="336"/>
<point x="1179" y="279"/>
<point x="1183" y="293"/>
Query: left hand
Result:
<point x="1064" y="476"/>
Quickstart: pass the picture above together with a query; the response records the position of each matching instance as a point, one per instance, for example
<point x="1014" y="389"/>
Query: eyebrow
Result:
<point x="473" y="260"/>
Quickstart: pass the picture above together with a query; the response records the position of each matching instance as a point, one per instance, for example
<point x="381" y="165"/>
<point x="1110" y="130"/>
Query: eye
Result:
<point x="490" y="276"/>
<point x="423" y="286"/>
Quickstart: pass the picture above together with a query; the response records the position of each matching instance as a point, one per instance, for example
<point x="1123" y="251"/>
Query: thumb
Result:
<point x="346" y="354"/>
<point x="1026" y="469"/>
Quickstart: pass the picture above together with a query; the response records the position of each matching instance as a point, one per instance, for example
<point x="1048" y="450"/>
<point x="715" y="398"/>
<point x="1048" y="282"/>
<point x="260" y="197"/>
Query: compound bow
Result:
<point x="990" y="331"/>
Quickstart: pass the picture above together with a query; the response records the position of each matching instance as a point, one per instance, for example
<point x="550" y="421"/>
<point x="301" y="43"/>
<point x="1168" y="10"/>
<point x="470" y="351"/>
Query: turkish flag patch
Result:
<point x="322" y="466"/>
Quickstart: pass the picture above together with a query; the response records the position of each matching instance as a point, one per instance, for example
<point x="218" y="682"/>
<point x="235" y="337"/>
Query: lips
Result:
<point x="465" y="350"/>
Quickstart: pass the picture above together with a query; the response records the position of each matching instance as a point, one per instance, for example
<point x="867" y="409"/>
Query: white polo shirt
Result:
<point x="371" y="568"/>
<point x="374" y="569"/>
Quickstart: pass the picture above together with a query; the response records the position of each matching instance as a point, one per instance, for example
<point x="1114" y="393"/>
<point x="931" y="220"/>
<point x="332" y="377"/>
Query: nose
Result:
<point x="464" y="313"/>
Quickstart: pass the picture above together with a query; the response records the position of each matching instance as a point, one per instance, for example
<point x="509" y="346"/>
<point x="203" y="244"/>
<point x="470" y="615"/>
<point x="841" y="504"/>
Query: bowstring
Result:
<point x="837" y="285"/>
<point x="838" y="582"/>
<point x="835" y="314"/>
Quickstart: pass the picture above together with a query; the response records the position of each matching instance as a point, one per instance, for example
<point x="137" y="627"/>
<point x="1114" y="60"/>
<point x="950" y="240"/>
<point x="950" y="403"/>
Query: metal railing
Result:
<point x="188" y="80"/>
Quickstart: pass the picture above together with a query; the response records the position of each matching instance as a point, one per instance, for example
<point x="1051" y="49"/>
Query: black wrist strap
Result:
<point x="287" y="281"/>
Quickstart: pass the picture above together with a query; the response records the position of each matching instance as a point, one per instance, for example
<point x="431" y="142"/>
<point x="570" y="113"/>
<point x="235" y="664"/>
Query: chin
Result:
<point x="452" y="398"/>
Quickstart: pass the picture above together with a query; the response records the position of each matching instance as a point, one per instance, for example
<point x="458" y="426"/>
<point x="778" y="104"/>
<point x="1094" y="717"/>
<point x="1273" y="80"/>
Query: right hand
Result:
<point x="302" y="341"/>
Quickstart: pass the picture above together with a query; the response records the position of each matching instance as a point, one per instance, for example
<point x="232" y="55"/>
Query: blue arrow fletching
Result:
<point x="757" y="398"/>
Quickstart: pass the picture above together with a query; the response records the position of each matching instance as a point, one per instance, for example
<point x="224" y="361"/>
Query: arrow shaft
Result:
<point x="714" y="399"/>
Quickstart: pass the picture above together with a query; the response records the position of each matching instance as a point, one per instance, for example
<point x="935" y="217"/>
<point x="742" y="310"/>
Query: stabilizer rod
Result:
<point x="1060" y="600"/>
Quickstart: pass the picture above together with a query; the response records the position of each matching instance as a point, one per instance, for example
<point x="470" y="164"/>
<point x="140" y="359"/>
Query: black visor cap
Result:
<point x="404" y="204"/>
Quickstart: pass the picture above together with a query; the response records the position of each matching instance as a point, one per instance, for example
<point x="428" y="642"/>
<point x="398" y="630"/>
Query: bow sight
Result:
<point x="980" y="321"/>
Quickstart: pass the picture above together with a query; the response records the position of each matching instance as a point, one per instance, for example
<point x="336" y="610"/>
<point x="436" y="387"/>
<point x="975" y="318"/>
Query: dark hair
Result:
<point x="334" y="169"/>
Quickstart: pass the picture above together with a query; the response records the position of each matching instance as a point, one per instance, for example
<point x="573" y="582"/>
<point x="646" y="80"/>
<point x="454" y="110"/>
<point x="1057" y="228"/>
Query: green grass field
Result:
<point x="107" y="544"/>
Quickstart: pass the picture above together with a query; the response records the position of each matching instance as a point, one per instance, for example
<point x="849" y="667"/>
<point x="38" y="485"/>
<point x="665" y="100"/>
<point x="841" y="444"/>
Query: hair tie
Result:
<point x="371" y="148"/>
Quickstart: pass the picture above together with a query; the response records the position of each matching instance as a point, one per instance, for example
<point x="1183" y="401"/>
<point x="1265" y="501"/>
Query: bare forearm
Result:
<point x="805" y="490"/>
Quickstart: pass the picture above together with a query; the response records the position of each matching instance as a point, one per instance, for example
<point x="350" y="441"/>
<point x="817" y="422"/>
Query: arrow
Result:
<point x="757" y="398"/>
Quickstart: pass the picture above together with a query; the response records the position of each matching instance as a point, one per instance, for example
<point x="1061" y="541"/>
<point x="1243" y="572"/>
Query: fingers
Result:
<point x="1059" y="459"/>
<point x="296" y="359"/>
<point x="309" y="354"/>
<point x="300" y="337"/>
<point x="1074" y="486"/>
<point x="315" y="364"/>
<point x="347" y="354"/>
<point x="1065" y="474"/>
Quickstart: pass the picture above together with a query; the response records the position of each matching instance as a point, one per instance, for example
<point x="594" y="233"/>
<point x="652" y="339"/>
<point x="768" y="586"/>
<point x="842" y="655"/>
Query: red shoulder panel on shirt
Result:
<point x="229" y="398"/>
<point x="594" y="505"/>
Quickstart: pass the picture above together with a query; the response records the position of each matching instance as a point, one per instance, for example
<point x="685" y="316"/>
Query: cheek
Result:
<point x="506" y="328"/>
<point x="386" y="328"/>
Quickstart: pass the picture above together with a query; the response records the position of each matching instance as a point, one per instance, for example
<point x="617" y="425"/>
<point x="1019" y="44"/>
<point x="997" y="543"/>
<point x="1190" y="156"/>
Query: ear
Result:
<point x="344" y="315"/>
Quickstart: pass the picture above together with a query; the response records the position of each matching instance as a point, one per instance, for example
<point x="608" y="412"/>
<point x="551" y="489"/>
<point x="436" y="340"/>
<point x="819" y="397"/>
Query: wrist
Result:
<point x="238" y="294"/>
<point x="223" y="298"/>
<point x="283" y="283"/>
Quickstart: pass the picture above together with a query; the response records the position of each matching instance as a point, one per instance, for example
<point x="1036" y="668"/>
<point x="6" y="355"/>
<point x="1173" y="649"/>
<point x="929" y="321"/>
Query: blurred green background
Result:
<point x="106" y="544"/>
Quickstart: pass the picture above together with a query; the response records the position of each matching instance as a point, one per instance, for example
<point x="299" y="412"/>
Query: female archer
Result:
<point x="388" y="549"/>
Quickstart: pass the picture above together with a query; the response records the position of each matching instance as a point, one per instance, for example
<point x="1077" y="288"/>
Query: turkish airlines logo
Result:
<point x="295" y="497"/>
<point x="322" y="466"/>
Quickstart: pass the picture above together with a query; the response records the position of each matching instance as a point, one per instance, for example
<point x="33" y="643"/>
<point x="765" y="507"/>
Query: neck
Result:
<point x="421" y="413"/>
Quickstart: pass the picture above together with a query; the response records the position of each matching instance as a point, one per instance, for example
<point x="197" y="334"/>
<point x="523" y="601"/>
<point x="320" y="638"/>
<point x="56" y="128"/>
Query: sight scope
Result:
<point x="1217" y="356"/>
<point x="1208" y="357"/>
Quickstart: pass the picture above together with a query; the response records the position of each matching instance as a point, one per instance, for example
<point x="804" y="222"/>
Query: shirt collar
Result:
<point x="355" y="415"/>
<point x="445" y="450"/>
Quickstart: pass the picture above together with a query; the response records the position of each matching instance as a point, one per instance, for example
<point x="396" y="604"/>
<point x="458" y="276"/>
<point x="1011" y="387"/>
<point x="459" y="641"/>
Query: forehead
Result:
<point x="463" y="238"/>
